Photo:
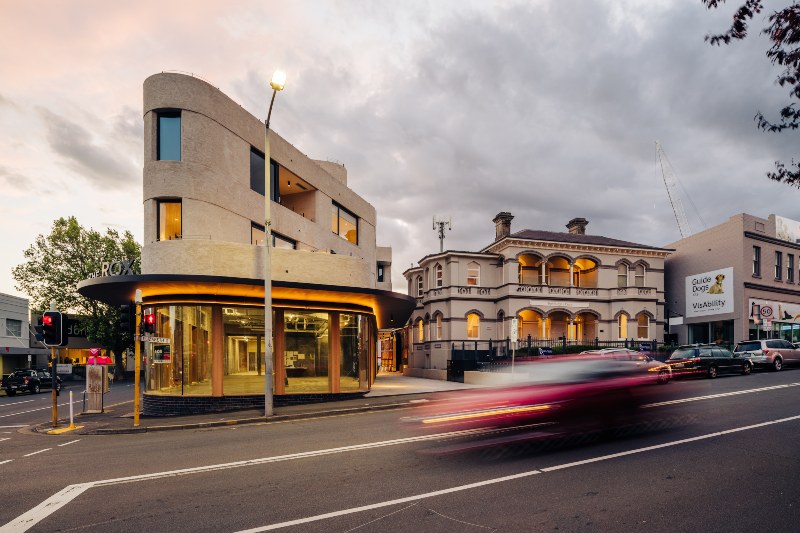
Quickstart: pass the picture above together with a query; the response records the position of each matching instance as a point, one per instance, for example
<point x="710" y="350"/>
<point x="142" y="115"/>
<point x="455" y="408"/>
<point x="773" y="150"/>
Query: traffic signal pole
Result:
<point x="53" y="388"/>
<point x="137" y="354"/>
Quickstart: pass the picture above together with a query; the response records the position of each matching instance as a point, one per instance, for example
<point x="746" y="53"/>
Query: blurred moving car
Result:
<point x="29" y="380"/>
<point x="661" y="372"/>
<point x="771" y="353"/>
<point x="707" y="360"/>
<point x="543" y="400"/>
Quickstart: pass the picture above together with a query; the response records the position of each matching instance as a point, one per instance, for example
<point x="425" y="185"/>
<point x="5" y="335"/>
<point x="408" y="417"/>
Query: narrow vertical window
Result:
<point x="790" y="268"/>
<point x="622" y="275"/>
<point x="380" y="273"/>
<point x="169" y="220"/>
<point x="757" y="261"/>
<point x="169" y="136"/>
<point x="643" y="326"/>
<point x="473" y="326"/>
<point x="778" y="265"/>
<point x="639" y="279"/>
<point x="438" y="327"/>
<point x="420" y="331"/>
<point x="344" y="223"/>
<point x="623" y="326"/>
<point x="258" y="178"/>
<point x="473" y="274"/>
<point x="419" y="286"/>
<point x="439" y="275"/>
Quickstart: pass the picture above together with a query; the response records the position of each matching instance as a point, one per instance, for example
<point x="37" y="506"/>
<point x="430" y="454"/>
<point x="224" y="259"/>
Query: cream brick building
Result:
<point x="574" y="285"/>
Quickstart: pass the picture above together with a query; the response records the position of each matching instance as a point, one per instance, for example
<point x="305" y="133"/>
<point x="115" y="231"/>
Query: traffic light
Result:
<point x="126" y="322"/>
<point x="148" y="321"/>
<point x="53" y="329"/>
<point x="39" y="329"/>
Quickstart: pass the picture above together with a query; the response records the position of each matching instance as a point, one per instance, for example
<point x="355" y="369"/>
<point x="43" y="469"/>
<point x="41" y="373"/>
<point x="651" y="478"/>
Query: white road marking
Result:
<point x="15" y="403"/>
<point x="721" y="395"/>
<point x="40" y="451"/>
<point x="52" y="504"/>
<point x="503" y="479"/>
<point x="6" y="461"/>
<point x="17" y="426"/>
<point x="70" y="442"/>
<point x="5" y="438"/>
<point x="34" y="410"/>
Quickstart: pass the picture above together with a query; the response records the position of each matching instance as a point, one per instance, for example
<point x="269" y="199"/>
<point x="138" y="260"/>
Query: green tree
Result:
<point x="55" y="264"/>
<point x="783" y="32"/>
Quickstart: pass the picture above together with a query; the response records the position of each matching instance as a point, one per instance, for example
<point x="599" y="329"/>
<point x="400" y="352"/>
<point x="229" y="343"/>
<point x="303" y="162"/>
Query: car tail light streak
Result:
<point x="471" y="415"/>
<point x="25" y="380"/>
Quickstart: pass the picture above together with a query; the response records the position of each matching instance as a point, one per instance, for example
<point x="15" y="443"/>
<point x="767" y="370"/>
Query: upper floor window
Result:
<point x="381" y="273"/>
<point x="439" y="273"/>
<point x="757" y="261"/>
<point x="639" y="277"/>
<point x="438" y="327"/>
<point x="168" y="136"/>
<point x="169" y="220"/>
<point x="473" y="326"/>
<point x="643" y="326"/>
<point x="420" y="330"/>
<point x="257" y="177"/>
<point x="257" y="234"/>
<point x="344" y="223"/>
<point x="473" y="274"/>
<point x="622" y="275"/>
<point x="13" y="328"/>
<point x="419" y="286"/>
<point x="790" y="268"/>
<point x="279" y="241"/>
<point x="778" y="265"/>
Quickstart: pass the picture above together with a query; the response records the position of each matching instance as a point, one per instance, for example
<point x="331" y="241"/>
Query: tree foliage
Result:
<point x="54" y="265"/>
<point x="783" y="31"/>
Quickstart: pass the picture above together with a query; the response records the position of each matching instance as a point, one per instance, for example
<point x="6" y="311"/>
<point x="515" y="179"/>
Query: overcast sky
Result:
<point x="548" y="109"/>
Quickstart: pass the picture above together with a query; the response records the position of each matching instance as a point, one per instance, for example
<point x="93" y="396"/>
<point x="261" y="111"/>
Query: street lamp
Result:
<point x="277" y="82"/>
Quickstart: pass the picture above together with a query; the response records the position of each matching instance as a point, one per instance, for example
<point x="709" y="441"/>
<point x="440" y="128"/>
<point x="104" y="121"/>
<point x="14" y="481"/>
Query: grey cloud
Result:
<point x="14" y="181"/>
<point x="101" y="164"/>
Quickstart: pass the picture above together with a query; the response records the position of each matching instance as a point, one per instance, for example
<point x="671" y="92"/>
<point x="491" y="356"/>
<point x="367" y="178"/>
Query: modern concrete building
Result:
<point x="203" y="262"/>
<point x="736" y="281"/>
<point x="574" y="285"/>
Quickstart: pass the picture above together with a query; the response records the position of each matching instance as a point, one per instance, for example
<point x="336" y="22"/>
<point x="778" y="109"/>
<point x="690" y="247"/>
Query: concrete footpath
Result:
<point x="390" y="391"/>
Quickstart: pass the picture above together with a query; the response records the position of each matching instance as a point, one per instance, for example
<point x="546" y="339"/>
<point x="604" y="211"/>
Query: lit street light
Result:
<point x="277" y="83"/>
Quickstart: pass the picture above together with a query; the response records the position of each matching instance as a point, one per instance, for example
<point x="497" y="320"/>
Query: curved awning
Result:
<point x="391" y="309"/>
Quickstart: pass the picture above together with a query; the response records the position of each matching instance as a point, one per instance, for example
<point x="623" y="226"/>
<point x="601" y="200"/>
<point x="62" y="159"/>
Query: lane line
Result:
<point x="70" y="442"/>
<point x="5" y="438"/>
<point x="16" y="403"/>
<point x="720" y="395"/>
<point x="40" y="451"/>
<point x="17" y="426"/>
<point x="503" y="479"/>
<point x="6" y="461"/>
<point x="37" y="409"/>
<point x="52" y="504"/>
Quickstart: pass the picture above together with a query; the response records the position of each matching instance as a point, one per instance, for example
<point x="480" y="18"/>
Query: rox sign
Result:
<point x="122" y="267"/>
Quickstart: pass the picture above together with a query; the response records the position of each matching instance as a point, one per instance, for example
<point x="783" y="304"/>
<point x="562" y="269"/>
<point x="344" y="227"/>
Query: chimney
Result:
<point x="577" y="226"/>
<point x="502" y="225"/>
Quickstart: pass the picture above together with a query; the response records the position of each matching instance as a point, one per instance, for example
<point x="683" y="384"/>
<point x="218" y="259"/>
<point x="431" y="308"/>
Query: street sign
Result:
<point x="63" y="368"/>
<point x="545" y="351"/>
<point x="160" y="340"/>
<point x="645" y="347"/>
<point x="514" y="333"/>
<point x="161" y="354"/>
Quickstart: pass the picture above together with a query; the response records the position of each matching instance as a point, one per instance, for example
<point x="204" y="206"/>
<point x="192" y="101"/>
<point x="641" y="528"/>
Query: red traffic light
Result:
<point x="47" y="320"/>
<point x="150" y="319"/>
<point x="149" y="322"/>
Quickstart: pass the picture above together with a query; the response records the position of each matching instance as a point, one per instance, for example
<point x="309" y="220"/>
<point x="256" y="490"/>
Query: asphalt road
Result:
<point x="723" y="458"/>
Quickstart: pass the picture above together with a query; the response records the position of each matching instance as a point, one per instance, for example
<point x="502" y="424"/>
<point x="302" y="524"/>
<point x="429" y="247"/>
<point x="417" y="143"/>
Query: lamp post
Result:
<point x="277" y="83"/>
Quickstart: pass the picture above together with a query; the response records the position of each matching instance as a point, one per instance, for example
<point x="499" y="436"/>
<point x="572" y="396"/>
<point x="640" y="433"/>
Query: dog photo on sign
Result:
<point x="716" y="288"/>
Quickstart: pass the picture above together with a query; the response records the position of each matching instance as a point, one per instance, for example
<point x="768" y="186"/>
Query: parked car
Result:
<point x="29" y="380"/>
<point x="660" y="371"/>
<point x="771" y="353"/>
<point x="707" y="360"/>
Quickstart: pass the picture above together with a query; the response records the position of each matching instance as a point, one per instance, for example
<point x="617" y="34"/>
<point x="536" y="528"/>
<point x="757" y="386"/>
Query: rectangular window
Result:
<point x="622" y="276"/>
<point x="757" y="261"/>
<point x="790" y="268"/>
<point x="169" y="220"/>
<point x="639" y="276"/>
<point x="473" y="275"/>
<point x="380" y="273"/>
<point x="778" y="265"/>
<point x="279" y="241"/>
<point x="438" y="327"/>
<point x="344" y="223"/>
<point x="257" y="234"/>
<point x="257" y="175"/>
<point x="13" y="328"/>
<point x="169" y="136"/>
<point x="419" y="287"/>
<point x="643" y="327"/>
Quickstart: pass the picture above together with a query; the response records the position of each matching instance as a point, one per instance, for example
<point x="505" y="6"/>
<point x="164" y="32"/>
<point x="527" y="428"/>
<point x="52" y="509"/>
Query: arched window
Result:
<point x="473" y="274"/>
<point x="473" y="326"/>
<point x="623" y="326"/>
<point x="439" y="327"/>
<point x="501" y="325"/>
<point x="420" y="330"/>
<point x="622" y="275"/>
<point x="439" y="273"/>
<point x="419" y="286"/>
<point x="643" y="326"/>
<point x="639" y="277"/>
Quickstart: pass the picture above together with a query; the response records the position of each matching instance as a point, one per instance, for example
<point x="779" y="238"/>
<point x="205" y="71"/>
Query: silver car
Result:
<point x="771" y="353"/>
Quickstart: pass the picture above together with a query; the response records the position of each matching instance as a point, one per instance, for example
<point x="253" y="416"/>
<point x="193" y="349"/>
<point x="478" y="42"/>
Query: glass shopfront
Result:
<point x="321" y="351"/>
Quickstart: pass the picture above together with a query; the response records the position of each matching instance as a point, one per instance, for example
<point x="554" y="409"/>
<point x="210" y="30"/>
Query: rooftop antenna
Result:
<point x="440" y="223"/>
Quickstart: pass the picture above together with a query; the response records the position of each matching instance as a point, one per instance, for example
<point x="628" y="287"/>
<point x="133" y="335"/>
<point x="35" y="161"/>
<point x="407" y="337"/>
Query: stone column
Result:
<point x="217" y="351"/>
